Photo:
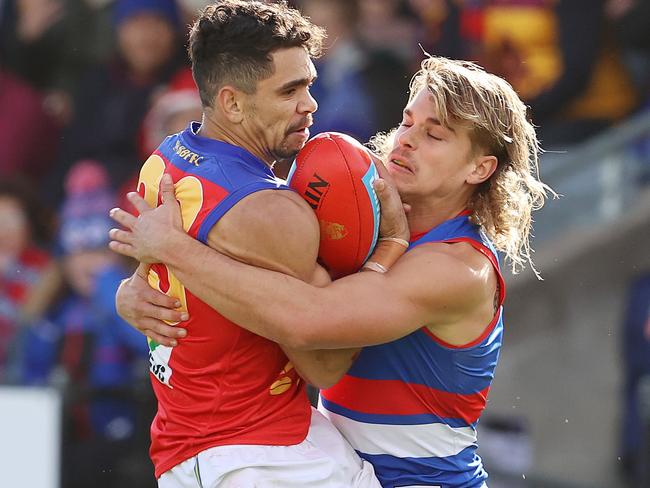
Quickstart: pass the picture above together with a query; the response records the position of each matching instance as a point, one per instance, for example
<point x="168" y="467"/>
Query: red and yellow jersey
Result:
<point x="221" y="385"/>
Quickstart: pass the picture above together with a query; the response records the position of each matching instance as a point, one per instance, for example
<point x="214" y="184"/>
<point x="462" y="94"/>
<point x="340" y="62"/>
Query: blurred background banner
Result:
<point x="89" y="88"/>
<point x="30" y="422"/>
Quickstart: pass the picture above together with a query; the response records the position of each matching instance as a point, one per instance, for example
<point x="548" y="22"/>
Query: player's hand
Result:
<point x="393" y="212"/>
<point x="146" y="309"/>
<point x="150" y="235"/>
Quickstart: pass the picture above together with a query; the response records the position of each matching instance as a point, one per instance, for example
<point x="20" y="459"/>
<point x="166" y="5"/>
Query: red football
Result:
<point x="334" y="174"/>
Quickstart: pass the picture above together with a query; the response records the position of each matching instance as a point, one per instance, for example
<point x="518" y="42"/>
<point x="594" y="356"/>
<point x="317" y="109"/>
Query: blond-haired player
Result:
<point x="465" y="158"/>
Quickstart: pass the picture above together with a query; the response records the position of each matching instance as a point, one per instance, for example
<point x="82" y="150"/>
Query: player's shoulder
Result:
<point x="274" y="229"/>
<point x="279" y="209"/>
<point x="463" y="270"/>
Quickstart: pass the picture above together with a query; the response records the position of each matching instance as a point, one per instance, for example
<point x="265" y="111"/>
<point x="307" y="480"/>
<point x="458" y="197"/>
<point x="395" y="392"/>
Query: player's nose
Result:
<point x="308" y="104"/>
<point x="406" y="137"/>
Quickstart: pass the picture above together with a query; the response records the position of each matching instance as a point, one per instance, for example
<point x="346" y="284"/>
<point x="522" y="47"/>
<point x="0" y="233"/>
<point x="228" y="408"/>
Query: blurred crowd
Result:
<point x="89" y="88"/>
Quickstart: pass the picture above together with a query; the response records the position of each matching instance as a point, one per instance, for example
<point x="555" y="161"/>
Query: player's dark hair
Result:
<point x="232" y="40"/>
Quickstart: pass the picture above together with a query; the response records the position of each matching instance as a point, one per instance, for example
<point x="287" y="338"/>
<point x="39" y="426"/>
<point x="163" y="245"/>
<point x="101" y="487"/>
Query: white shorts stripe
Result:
<point x="424" y="440"/>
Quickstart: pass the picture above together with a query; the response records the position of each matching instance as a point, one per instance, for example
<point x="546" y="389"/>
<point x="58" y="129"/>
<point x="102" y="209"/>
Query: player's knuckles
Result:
<point x="167" y="332"/>
<point x="163" y="335"/>
<point x="171" y="315"/>
<point x="120" y="235"/>
<point x="121" y="217"/>
<point x="143" y="326"/>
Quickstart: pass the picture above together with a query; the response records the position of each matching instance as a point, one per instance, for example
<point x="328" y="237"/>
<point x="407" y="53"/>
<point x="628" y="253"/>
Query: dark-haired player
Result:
<point x="232" y="411"/>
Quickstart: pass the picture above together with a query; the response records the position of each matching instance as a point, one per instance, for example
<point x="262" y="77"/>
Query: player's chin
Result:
<point x="402" y="183"/>
<point x="291" y="145"/>
<point x="399" y="173"/>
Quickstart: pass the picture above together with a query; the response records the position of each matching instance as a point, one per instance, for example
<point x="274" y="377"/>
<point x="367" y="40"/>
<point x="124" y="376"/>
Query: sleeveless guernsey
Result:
<point x="411" y="406"/>
<point x="221" y="385"/>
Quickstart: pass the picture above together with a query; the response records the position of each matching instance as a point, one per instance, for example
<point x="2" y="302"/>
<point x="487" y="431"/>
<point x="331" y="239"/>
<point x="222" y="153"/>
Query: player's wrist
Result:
<point x="172" y="249"/>
<point x="398" y="233"/>
<point x="386" y="253"/>
<point x="399" y="240"/>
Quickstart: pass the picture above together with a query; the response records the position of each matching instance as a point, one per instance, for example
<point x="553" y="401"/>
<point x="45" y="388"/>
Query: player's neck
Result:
<point x="425" y="216"/>
<point x="213" y="129"/>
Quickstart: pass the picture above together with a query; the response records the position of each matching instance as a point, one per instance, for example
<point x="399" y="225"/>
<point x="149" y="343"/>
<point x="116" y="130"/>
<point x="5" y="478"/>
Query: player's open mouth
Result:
<point x="403" y="166"/>
<point x="304" y="132"/>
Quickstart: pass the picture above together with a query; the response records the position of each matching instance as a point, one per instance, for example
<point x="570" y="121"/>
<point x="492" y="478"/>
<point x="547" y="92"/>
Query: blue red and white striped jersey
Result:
<point x="410" y="407"/>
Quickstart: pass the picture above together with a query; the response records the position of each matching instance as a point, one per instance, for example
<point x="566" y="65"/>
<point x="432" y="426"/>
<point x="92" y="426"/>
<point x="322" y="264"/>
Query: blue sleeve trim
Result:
<point x="228" y="202"/>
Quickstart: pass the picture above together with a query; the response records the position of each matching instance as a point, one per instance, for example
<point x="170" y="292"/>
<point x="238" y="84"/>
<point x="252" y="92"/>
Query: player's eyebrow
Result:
<point x="431" y="120"/>
<point x="296" y="83"/>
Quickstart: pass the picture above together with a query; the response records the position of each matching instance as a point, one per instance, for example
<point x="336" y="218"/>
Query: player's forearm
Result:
<point x="352" y="312"/>
<point x="237" y="291"/>
<point x="322" y="368"/>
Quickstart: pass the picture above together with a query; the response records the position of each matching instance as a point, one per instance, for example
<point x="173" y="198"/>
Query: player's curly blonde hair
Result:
<point x="463" y="93"/>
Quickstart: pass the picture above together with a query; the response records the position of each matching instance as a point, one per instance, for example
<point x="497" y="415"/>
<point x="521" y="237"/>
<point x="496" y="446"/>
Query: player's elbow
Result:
<point x="324" y="375"/>
<point x="325" y="379"/>
<point x="299" y="340"/>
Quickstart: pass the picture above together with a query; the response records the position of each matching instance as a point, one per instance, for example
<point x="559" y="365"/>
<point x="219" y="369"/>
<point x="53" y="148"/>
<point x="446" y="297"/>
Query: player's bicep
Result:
<point x="392" y="305"/>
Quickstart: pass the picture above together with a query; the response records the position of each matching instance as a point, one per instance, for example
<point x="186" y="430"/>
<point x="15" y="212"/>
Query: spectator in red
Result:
<point x="23" y="121"/>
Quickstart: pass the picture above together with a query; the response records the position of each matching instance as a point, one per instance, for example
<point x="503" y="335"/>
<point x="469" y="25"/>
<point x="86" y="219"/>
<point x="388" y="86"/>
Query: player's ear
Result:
<point x="484" y="167"/>
<point x="230" y="102"/>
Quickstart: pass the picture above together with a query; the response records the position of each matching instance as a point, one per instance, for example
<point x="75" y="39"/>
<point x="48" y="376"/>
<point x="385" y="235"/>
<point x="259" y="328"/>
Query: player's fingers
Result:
<point x="120" y="235"/>
<point x="165" y="341"/>
<point x="138" y="202"/>
<point x="407" y="207"/>
<point x="123" y="249"/>
<point x="381" y="169"/>
<point x="387" y="193"/>
<point x="162" y="300"/>
<point x="152" y="296"/>
<point x="142" y="272"/>
<point x="160" y="339"/>
<point x="379" y="185"/>
<point x="393" y="219"/>
<point x="161" y="313"/>
<point x="148" y="325"/>
<point x="167" y="190"/>
<point x="122" y="217"/>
